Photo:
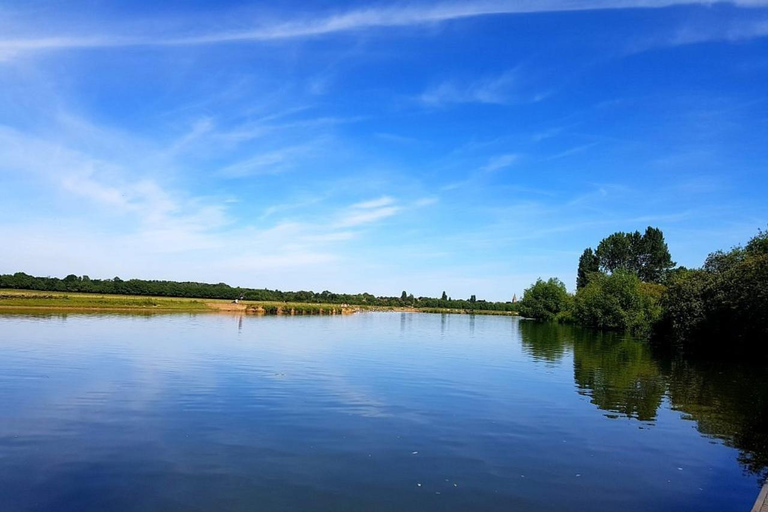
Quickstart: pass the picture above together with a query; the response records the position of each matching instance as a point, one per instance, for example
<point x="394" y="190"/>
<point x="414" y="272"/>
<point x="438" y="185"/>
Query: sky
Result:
<point x="470" y="147"/>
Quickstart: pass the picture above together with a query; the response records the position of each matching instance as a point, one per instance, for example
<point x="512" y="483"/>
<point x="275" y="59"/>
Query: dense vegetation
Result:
<point x="545" y="300"/>
<point x="73" y="283"/>
<point x="726" y="301"/>
<point x="629" y="283"/>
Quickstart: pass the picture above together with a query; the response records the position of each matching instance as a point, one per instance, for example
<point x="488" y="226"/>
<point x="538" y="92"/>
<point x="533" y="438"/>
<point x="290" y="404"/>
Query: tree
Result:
<point x="403" y="296"/>
<point x="653" y="257"/>
<point x="588" y="264"/>
<point x="444" y="297"/>
<point x="473" y="299"/>
<point x="723" y="305"/>
<point x="647" y="255"/>
<point x="619" y="301"/>
<point x="545" y="299"/>
<point x="615" y="252"/>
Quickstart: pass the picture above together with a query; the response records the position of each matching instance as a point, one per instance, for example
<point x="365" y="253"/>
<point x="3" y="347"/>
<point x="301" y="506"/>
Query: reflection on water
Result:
<point x="624" y="377"/>
<point x="377" y="412"/>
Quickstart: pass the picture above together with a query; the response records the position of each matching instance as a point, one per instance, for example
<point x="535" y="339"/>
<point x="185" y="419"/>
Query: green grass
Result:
<point x="19" y="299"/>
<point x="31" y="300"/>
<point x="296" y="308"/>
<point x="468" y="311"/>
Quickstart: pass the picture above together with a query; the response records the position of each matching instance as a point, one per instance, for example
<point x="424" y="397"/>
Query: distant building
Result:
<point x="514" y="298"/>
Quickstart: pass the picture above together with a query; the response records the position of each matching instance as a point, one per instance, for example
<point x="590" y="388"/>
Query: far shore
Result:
<point x="21" y="301"/>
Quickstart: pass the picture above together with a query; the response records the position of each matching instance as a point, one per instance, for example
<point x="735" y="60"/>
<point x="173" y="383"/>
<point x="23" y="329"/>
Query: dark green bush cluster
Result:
<point x="627" y="285"/>
<point x="724" y="302"/>
<point x="619" y="301"/>
<point x="545" y="300"/>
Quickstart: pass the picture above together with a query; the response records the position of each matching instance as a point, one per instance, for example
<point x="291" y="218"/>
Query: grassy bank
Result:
<point x="31" y="300"/>
<point x="28" y="300"/>
<point x="467" y="311"/>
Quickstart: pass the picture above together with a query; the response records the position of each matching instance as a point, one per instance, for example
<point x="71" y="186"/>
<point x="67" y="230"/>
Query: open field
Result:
<point x="32" y="300"/>
<point x="21" y="300"/>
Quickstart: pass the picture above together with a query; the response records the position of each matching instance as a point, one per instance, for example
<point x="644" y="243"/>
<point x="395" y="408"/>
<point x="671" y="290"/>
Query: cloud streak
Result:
<point x="355" y="20"/>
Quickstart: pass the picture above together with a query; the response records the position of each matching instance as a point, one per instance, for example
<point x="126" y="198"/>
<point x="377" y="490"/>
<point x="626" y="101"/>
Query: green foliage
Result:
<point x="589" y="263"/>
<point x="545" y="299"/>
<point x="724" y="303"/>
<point x="645" y="255"/>
<point x="619" y="301"/>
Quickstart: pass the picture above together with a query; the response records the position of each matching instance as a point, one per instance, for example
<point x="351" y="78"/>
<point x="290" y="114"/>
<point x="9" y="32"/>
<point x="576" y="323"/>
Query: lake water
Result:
<point x="369" y="412"/>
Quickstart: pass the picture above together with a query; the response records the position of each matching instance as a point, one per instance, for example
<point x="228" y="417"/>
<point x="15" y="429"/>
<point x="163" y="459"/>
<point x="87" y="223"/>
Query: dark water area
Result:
<point x="370" y="412"/>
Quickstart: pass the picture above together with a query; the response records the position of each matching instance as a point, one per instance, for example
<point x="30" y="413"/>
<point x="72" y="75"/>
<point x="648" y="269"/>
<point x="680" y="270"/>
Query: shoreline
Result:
<point x="30" y="301"/>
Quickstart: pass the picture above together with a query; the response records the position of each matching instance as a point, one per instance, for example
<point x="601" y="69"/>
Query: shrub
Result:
<point x="545" y="299"/>
<point x="619" y="301"/>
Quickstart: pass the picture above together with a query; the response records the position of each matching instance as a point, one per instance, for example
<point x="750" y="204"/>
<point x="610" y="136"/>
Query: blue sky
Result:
<point x="461" y="146"/>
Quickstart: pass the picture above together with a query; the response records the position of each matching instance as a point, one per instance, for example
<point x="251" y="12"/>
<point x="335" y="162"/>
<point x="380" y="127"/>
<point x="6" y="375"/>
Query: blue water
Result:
<point x="368" y="412"/>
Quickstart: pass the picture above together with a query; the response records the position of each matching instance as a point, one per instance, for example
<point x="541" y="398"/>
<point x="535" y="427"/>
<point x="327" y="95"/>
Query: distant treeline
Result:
<point x="630" y="283"/>
<point x="85" y="284"/>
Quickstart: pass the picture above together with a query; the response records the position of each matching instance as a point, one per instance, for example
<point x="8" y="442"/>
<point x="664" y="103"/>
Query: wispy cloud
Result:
<point x="360" y="216"/>
<point x="498" y="90"/>
<point x="500" y="162"/>
<point x="354" y="20"/>
<point x="374" y="203"/>
<point x="270" y="162"/>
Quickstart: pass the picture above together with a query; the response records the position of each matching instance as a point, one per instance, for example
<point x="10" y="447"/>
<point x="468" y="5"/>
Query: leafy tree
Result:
<point x="403" y="296"/>
<point x="724" y="304"/>
<point x="615" y="252"/>
<point x="589" y="263"/>
<point x="653" y="256"/>
<point x="618" y="301"/>
<point x="444" y="296"/>
<point x="545" y="299"/>
<point x="645" y="255"/>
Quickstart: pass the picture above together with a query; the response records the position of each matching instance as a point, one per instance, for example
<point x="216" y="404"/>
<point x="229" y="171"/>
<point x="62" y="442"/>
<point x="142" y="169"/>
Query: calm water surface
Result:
<point x="371" y="412"/>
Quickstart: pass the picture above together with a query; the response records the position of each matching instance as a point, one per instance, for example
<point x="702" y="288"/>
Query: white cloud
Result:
<point x="366" y="216"/>
<point x="354" y="20"/>
<point x="425" y="201"/>
<point x="500" y="162"/>
<point x="374" y="203"/>
<point x="499" y="90"/>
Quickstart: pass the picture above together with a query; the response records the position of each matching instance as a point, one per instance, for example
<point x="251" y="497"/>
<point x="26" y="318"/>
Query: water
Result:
<point x="370" y="412"/>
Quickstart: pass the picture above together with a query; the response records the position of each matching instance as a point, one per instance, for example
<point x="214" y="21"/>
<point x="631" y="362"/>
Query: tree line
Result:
<point x="630" y="283"/>
<point x="84" y="284"/>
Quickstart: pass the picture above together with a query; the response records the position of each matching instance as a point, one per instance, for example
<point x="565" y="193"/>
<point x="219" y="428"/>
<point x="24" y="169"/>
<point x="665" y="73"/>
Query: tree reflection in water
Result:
<point x="626" y="378"/>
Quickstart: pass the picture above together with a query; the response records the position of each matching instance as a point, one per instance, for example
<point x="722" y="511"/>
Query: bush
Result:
<point x="545" y="299"/>
<point x="724" y="304"/>
<point x="619" y="301"/>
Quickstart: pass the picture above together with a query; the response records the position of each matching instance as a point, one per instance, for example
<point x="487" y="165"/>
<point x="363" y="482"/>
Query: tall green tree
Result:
<point x="615" y="252"/>
<point x="588" y="264"/>
<point x="653" y="256"/>
<point x="646" y="255"/>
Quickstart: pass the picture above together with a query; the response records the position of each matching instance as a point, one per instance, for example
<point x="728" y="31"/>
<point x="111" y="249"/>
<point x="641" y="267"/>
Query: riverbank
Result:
<point x="28" y="300"/>
<point x="32" y="300"/>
